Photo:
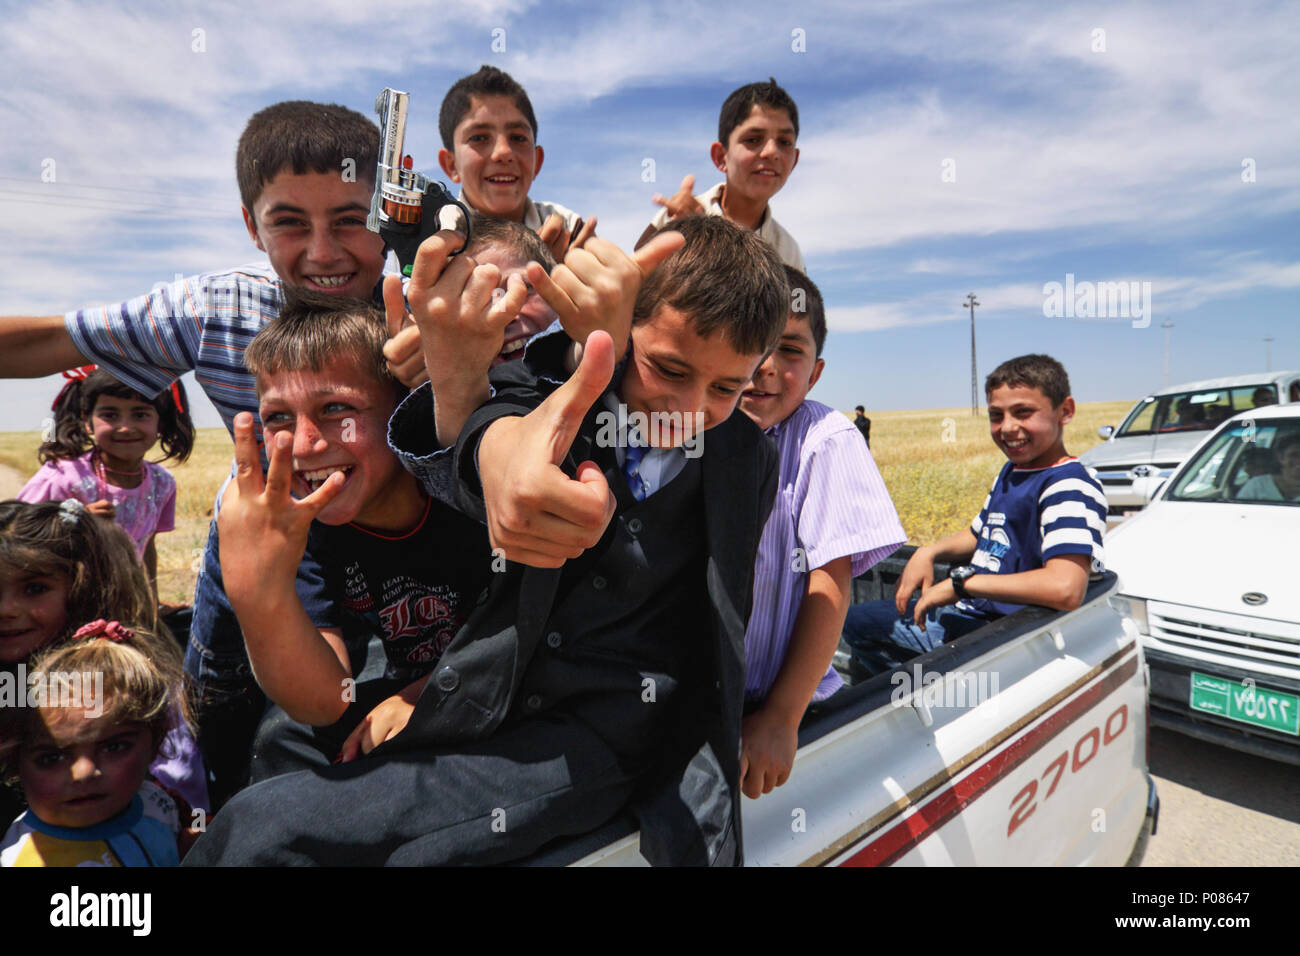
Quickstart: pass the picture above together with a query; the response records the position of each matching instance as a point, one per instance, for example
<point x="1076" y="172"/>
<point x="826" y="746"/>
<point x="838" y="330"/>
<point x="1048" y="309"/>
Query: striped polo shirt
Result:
<point x="202" y="323"/>
<point x="830" y="503"/>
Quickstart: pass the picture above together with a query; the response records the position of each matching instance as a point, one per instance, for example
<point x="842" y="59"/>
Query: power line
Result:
<point x="120" y="189"/>
<point x="166" y="212"/>
<point x="38" y="195"/>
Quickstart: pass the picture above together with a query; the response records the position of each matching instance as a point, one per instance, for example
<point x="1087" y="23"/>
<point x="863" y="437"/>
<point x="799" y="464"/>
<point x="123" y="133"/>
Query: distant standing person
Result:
<point x="863" y="422"/>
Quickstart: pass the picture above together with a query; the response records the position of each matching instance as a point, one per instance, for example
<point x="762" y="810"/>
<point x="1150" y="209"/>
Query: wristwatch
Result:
<point x="959" y="575"/>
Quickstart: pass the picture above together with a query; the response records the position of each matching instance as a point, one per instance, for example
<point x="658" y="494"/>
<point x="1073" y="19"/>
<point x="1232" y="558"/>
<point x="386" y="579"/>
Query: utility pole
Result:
<point x="1268" y="353"/>
<point x="970" y="303"/>
<point x="1166" y="326"/>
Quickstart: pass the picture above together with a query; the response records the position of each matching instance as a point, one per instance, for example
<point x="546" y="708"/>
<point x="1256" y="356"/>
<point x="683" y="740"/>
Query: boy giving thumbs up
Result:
<point x="605" y="662"/>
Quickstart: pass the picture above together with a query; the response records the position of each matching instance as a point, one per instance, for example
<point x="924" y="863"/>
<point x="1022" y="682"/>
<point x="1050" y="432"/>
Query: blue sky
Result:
<point x="1112" y="156"/>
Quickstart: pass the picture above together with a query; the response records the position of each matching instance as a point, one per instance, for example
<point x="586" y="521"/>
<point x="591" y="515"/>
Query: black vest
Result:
<point x="630" y="622"/>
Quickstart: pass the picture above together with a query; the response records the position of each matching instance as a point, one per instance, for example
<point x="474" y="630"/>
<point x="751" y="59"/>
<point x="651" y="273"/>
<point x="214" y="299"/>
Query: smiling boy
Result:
<point x="510" y="247"/>
<point x="833" y="519"/>
<point x="610" y="666"/>
<point x="385" y="559"/>
<point x="755" y="150"/>
<point x="299" y="208"/>
<point x="489" y="139"/>
<point x="1035" y="541"/>
<point x="305" y="173"/>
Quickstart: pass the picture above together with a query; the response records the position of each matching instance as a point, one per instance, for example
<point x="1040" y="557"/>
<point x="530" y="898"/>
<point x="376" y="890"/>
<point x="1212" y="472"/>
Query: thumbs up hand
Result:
<point x="538" y="515"/>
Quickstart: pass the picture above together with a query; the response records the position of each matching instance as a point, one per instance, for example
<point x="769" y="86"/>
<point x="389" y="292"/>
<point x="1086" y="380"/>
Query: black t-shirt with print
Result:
<point x="414" y="590"/>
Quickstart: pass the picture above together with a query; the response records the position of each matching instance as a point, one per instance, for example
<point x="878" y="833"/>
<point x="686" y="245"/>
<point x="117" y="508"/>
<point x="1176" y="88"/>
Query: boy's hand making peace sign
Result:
<point x="682" y="202"/>
<point x="263" y="529"/>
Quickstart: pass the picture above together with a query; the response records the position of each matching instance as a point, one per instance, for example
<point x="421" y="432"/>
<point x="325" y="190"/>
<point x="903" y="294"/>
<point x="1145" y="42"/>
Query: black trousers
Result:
<point x="480" y="802"/>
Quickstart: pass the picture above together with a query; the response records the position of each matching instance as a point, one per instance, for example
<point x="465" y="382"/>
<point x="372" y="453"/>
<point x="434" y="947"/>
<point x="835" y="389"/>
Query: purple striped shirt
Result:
<point x="830" y="502"/>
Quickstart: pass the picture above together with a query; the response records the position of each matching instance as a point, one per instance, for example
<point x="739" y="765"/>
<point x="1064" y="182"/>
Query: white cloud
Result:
<point x="1169" y="295"/>
<point x="1056" y="147"/>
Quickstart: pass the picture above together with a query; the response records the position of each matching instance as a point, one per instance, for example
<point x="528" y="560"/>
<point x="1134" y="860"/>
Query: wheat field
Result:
<point x="937" y="464"/>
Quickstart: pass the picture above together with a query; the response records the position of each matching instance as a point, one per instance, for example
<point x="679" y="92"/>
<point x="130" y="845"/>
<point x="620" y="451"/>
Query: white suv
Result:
<point x="1163" y="429"/>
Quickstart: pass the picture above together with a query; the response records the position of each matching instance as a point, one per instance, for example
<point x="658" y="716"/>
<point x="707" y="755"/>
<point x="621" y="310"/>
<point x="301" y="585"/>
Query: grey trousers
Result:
<point x="480" y="802"/>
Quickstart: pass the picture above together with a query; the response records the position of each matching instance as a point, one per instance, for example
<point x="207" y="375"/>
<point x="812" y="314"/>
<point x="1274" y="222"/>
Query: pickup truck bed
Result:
<point x="1022" y="743"/>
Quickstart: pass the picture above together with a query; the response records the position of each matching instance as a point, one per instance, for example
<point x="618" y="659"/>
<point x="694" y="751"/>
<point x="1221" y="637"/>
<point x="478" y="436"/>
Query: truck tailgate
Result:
<point x="1021" y="744"/>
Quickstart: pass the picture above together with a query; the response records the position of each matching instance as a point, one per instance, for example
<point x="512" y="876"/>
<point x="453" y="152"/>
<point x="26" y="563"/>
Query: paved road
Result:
<point x="1219" y="807"/>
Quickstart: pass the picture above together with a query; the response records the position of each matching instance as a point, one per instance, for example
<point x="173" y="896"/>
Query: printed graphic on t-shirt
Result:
<point x="413" y="592"/>
<point x="408" y="613"/>
<point x="993" y="546"/>
<point x="356" y="593"/>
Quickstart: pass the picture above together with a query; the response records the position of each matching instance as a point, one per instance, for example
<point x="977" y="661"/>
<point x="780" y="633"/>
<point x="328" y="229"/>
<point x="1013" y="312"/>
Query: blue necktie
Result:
<point x="631" y="464"/>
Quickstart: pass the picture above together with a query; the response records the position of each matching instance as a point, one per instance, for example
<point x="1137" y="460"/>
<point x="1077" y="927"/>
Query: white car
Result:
<point x="1210" y="573"/>
<point x="1161" y="430"/>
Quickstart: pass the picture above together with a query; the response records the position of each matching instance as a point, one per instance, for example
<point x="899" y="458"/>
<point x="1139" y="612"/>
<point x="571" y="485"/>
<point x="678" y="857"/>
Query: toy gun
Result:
<point x="406" y="205"/>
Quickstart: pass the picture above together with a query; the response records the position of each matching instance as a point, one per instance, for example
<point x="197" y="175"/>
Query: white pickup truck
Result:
<point x="1023" y="743"/>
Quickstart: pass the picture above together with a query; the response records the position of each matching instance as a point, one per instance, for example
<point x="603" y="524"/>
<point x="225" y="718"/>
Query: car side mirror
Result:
<point x="1105" y="431"/>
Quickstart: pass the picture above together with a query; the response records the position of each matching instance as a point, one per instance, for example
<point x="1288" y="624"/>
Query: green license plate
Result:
<point x="1256" y="705"/>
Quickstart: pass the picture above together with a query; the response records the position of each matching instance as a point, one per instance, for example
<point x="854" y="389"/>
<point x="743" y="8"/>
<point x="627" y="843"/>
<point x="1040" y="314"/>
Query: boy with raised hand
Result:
<point x="387" y="559"/>
<point x="755" y="150"/>
<point x="833" y="519"/>
<point x="1035" y="541"/>
<point x="611" y="668"/>
<point x="305" y="173"/>
<point x="301" y="207"/>
<point x="489" y="134"/>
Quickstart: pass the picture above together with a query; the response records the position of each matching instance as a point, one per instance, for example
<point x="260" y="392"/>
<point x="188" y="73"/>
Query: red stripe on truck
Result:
<point x="899" y="839"/>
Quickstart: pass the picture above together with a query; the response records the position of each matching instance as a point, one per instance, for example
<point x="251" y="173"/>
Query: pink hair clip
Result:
<point x="113" y="630"/>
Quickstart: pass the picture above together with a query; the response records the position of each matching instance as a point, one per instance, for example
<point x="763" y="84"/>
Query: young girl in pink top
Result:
<point x="102" y="431"/>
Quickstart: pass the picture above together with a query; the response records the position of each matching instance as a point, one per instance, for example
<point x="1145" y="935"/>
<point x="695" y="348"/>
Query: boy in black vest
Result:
<point x="610" y="669"/>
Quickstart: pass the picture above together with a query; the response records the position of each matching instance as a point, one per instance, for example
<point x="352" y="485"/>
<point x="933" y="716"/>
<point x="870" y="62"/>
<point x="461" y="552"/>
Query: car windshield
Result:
<point x="1251" y="461"/>
<point x="1194" y="411"/>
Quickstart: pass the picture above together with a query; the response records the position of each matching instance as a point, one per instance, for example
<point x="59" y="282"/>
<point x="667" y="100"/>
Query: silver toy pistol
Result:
<point x="405" y="206"/>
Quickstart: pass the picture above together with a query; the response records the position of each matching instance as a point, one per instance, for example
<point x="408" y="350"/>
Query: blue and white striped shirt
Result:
<point x="1032" y="515"/>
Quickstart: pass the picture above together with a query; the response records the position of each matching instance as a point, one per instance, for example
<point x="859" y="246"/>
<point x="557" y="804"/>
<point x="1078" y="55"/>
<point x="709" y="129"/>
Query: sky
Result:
<point x="945" y="148"/>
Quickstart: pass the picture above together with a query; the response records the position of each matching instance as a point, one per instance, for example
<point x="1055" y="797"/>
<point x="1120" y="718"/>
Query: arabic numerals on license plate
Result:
<point x="1263" y="706"/>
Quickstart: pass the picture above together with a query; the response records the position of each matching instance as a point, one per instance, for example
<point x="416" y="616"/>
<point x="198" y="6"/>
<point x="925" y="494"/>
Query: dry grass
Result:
<point x="938" y="463"/>
<point x="937" y="485"/>
<point x="197" y="482"/>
